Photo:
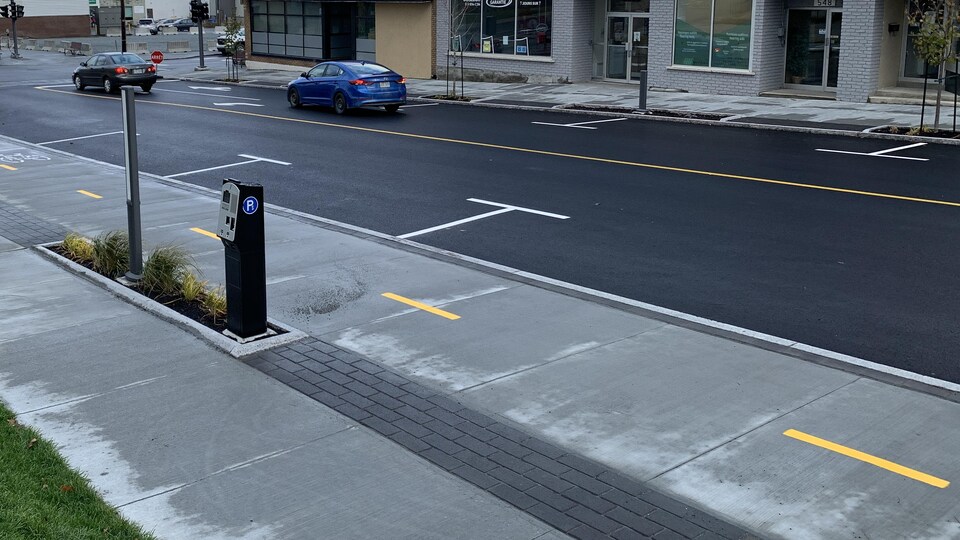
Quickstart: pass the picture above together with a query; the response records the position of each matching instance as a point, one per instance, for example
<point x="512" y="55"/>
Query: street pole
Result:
<point x="133" y="184"/>
<point x="643" y="90"/>
<point x="13" y="26"/>
<point x="200" y="32"/>
<point x="123" y="27"/>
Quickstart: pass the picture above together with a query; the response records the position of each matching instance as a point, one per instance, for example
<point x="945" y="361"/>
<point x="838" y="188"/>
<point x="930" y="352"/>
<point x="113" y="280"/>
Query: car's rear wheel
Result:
<point x="339" y="103"/>
<point x="108" y="85"/>
<point x="78" y="83"/>
<point x="293" y="96"/>
<point x="146" y="87"/>
<point x="391" y="108"/>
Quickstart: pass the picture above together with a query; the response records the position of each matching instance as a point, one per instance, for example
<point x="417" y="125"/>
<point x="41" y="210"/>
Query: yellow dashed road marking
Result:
<point x="89" y="194"/>
<point x="418" y="305"/>
<point x="204" y="232"/>
<point x="867" y="458"/>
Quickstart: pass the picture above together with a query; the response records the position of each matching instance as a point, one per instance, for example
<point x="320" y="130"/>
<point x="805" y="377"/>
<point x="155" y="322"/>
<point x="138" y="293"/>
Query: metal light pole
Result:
<point x="133" y="184"/>
<point x="200" y="32"/>
<point x="123" y="27"/>
<point x="13" y="26"/>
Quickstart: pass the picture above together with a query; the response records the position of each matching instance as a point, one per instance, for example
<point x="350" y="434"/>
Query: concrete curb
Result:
<point x="216" y="339"/>
<point x="867" y="133"/>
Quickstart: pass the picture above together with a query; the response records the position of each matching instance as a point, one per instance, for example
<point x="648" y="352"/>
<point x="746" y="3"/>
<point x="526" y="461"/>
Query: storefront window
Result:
<point x="520" y="27"/>
<point x="629" y="6"/>
<point x="713" y="33"/>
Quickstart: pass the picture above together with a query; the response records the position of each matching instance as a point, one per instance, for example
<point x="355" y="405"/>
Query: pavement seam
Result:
<point x="507" y="463"/>
<point x="755" y="428"/>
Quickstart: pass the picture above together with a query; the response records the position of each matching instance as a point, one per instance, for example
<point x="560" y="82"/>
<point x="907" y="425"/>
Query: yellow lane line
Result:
<point x="867" y="458"/>
<point x="204" y="232"/>
<point x="89" y="194"/>
<point x="9" y="168"/>
<point x="418" y="305"/>
<point x="540" y="152"/>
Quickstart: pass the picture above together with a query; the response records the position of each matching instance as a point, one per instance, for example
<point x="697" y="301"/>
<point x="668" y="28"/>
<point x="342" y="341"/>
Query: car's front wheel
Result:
<point x="108" y="85"/>
<point x="77" y="83"/>
<point x="293" y="96"/>
<point x="391" y="108"/>
<point x="339" y="103"/>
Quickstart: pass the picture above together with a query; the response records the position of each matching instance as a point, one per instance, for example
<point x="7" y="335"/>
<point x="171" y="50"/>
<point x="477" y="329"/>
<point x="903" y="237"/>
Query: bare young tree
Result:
<point x="935" y="42"/>
<point x="462" y="27"/>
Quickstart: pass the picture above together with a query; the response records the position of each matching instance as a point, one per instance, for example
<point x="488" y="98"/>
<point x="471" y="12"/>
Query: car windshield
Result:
<point x="146" y="21"/>
<point x="368" y="69"/>
<point x="127" y="59"/>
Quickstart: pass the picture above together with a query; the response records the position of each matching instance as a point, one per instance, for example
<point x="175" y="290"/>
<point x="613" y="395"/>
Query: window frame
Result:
<point x="710" y="67"/>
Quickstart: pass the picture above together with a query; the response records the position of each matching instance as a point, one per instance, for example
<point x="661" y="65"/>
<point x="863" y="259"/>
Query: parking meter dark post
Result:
<point x="241" y="230"/>
<point x="643" y="90"/>
<point x="133" y="183"/>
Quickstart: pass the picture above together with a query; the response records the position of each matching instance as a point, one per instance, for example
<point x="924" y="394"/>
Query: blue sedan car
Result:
<point x="347" y="85"/>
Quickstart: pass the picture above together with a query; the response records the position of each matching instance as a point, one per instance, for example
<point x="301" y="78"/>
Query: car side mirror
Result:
<point x="304" y="75"/>
<point x="84" y="63"/>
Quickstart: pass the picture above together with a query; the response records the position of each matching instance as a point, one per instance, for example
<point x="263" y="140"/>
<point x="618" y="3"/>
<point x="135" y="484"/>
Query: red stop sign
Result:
<point x="156" y="57"/>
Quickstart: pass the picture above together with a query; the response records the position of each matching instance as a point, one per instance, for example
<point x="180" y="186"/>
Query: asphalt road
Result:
<point x="758" y="229"/>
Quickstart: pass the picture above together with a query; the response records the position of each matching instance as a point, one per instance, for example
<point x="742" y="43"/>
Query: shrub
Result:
<point x="111" y="253"/>
<point x="215" y="303"/>
<point x="191" y="287"/>
<point x="78" y="248"/>
<point x="165" y="268"/>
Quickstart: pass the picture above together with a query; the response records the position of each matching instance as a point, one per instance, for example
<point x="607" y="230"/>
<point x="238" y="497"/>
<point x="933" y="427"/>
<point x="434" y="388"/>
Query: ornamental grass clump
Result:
<point x="78" y="248"/>
<point x="215" y="303"/>
<point x="111" y="253"/>
<point x="165" y="269"/>
<point x="191" y="288"/>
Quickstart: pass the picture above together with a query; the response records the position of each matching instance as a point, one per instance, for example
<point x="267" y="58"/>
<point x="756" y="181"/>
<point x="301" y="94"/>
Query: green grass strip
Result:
<point x="41" y="497"/>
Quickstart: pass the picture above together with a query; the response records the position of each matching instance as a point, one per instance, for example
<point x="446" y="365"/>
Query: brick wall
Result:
<point x="52" y="26"/>
<point x="863" y="29"/>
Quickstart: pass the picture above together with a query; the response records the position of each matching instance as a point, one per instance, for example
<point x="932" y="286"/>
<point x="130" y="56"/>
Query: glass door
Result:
<point x="813" y="48"/>
<point x="628" y="42"/>
<point x="616" y="53"/>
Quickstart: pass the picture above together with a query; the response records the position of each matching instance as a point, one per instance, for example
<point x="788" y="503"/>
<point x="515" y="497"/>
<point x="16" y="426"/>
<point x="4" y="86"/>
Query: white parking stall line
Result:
<point x="420" y="105"/>
<point x="258" y="158"/>
<point x="236" y="104"/>
<point x="880" y="153"/>
<point x="580" y="125"/>
<point x="209" y="95"/>
<point x="79" y="138"/>
<point x="217" y="88"/>
<point x="504" y="208"/>
<point x="251" y="159"/>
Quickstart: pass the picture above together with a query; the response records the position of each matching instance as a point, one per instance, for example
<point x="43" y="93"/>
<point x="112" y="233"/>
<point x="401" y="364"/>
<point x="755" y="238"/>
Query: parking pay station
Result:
<point x="241" y="230"/>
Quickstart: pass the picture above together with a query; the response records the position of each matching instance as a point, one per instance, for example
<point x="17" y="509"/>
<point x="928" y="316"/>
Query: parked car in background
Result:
<point x="348" y="84"/>
<point x="113" y="70"/>
<point x="148" y="23"/>
<point x="183" y="25"/>
<point x="163" y="23"/>
<point x="227" y="49"/>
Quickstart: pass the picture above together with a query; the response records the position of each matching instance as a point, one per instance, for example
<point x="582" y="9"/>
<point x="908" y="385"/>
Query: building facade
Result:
<point x="847" y="49"/>
<point x="843" y="48"/>
<point x="50" y="18"/>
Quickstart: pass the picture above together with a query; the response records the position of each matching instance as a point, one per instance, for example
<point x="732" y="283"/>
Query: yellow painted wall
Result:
<point x="891" y="47"/>
<point x="405" y="36"/>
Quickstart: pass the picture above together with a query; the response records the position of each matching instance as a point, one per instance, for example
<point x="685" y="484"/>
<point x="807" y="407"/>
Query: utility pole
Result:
<point x="123" y="27"/>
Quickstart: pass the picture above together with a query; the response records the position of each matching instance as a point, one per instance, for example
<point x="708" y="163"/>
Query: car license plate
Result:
<point x="138" y="70"/>
<point x="385" y="85"/>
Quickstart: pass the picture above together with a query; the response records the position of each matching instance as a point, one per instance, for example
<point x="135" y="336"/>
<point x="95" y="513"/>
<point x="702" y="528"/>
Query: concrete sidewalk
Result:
<point x="596" y="415"/>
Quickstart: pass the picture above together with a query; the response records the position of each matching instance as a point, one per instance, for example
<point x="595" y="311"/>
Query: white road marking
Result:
<point x="78" y="138"/>
<point x="419" y="105"/>
<point x="880" y="153"/>
<point x="580" y="125"/>
<point x="217" y="88"/>
<point x="211" y="95"/>
<point x="235" y="104"/>
<point x="252" y="159"/>
<point x="504" y="208"/>
<point x="56" y="86"/>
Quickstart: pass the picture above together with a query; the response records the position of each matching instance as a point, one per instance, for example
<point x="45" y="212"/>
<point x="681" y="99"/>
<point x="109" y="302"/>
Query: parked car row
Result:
<point x="155" y="26"/>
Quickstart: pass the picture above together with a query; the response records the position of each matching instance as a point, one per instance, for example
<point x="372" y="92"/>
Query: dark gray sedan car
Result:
<point x="113" y="70"/>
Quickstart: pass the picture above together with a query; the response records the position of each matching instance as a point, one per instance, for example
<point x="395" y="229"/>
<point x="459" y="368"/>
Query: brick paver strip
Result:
<point x="26" y="229"/>
<point x="563" y="489"/>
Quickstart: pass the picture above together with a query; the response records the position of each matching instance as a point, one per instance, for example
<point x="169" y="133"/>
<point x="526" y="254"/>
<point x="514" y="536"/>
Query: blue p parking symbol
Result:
<point x="250" y="205"/>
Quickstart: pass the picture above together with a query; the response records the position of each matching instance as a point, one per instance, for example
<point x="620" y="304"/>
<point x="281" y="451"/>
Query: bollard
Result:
<point x="133" y="184"/>
<point x="643" y="90"/>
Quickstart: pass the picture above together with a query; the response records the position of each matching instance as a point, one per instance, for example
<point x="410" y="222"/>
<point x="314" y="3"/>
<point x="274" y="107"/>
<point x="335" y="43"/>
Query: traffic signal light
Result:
<point x="194" y="10"/>
<point x="19" y="11"/>
<point x="204" y="12"/>
<point x="5" y="12"/>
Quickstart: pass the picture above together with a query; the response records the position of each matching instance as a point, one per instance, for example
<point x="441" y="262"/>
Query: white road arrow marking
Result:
<point x="235" y="104"/>
<point x="217" y="88"/>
